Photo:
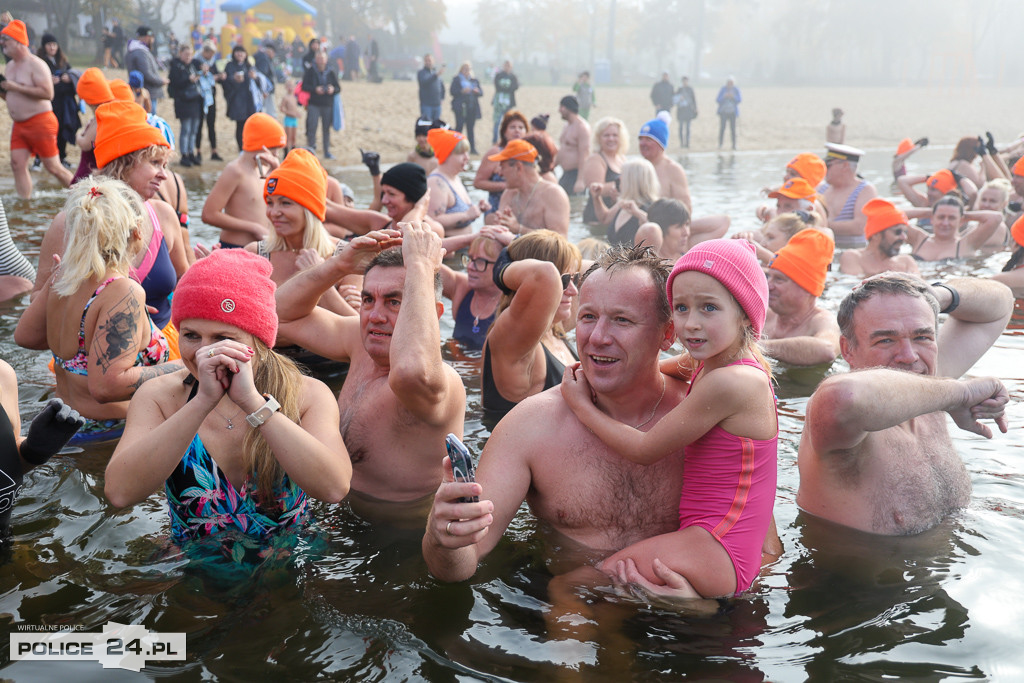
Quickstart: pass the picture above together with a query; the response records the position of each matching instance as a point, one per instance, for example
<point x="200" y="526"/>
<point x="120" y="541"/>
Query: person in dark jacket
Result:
<point x="187" y="92"/>
<point x="321" y="83"/>
<point x="140" y="58"/>
<point x="431" y="89"/>
<point x="466" y="94"/>
<point x="662" y="94"/>
<point x="65" y="80"/>
<point x="264" y="61"/>
<point x="239" y="73"/>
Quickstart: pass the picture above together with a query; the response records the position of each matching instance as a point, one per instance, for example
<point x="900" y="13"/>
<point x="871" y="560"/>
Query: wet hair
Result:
<point x="622" y="257"/>
<point x="510" y="116"/>
<point x="1015" y="260"/>
<point x="392" y="258"/>
<point x="604" y="123"/>
<point x="314" y="236"/>
<point x="966" y="150"/>
<point x="100" y="215"/>
<point x="540" y="121"/>
<point x="951" y="199"/>
<point x="121" y="167"/>
<point x="546" y="150"/>
<point x="896" y="284"/>
<point x="639" y="182"/>
<point x="543" y="245"/>
<point x="667" y="212"/>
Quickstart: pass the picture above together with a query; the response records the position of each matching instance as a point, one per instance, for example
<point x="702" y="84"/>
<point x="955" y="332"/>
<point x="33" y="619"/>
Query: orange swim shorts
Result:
<point x="37" y="134"/>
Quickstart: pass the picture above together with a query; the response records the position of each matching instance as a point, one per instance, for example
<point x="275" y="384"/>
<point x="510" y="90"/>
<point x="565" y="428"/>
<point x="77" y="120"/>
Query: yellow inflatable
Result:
<point x="252" y="21"/>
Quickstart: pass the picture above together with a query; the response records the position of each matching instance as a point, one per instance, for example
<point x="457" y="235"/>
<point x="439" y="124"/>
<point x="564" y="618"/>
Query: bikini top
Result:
<point x="155" y="352"/>
<point x="460" y="204"/>
<point x="182" y="216"/>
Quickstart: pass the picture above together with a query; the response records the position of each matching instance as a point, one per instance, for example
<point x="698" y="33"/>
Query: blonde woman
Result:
<point x="274" y="432"/>
<point x="92" y="315"/>
<point x="638" y="189"/>
<point x="611" y="142"/>
<point x="526" y="349"/>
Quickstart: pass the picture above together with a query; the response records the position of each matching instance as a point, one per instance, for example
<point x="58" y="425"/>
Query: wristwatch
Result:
<point x="263" y="413"/>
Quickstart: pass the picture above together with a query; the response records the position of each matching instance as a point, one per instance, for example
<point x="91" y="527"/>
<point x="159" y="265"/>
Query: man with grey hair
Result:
<point x="875" y="453"/>
<point x="400" y="398"/>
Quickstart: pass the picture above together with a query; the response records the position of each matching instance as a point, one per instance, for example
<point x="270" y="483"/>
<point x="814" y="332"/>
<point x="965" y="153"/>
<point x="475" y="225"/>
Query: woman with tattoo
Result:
<point x="240" y="438"/>
<point x="93" y="314"/>
<point x="129" y="149"/>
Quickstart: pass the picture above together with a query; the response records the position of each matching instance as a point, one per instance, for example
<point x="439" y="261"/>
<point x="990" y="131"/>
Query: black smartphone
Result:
<point x="462" y="464"/>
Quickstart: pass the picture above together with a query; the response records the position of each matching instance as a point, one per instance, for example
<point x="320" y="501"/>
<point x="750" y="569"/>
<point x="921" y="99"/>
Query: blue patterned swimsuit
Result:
<point x="202" y="501"/>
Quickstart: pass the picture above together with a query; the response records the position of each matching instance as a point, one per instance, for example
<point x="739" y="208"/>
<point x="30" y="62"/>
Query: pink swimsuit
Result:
<point x="729" y="490"/>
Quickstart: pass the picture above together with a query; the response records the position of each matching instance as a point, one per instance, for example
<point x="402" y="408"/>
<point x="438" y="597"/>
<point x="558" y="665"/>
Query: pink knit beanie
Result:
<point x="734" y="264"/>
<point x="230" y="286"/>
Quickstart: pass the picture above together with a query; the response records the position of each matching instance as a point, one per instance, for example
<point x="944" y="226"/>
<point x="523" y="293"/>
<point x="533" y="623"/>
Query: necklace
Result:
<point x="656" y="405"/>
<point x="519" y="214"/>
<point x="231" y="424"/>
<point x="476" y="318"/>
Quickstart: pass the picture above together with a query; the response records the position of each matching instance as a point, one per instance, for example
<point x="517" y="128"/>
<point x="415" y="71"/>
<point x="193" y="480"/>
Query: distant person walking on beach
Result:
<point x="505" y="85"/>
<point x="140" y="58"/>
<point x="28" y="91"/>
<point x="584" y="92"/>
<point x="728" y="109"/>
<point x="686" y="110"/>
<point x="662" y="94"/>
<point x="836" y="129"/>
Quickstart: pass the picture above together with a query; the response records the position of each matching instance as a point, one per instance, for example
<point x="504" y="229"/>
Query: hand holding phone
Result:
<point x="462" y="464"/>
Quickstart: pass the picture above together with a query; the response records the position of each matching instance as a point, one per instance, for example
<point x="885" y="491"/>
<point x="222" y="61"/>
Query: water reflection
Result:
<point x="355" y="602"/>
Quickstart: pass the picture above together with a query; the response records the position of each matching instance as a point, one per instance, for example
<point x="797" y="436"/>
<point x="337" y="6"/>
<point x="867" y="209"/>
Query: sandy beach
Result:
<point x="381" y="116"/>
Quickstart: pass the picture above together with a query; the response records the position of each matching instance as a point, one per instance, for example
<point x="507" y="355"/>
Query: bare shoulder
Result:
<point x="168" y="392"/>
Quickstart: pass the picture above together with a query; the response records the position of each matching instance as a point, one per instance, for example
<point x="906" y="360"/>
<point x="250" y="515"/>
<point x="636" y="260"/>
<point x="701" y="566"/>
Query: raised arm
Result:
<point x="302" y="322"/>
<point x="418" y="375"/>
<point x="516" y="332"/>
<point x="988" y="222"/>
<point x="906" y="184"/>
<point x="974" y="325"/>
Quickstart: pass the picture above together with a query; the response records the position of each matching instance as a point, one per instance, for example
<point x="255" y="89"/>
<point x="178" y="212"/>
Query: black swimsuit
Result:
<point x="496" y="405"/>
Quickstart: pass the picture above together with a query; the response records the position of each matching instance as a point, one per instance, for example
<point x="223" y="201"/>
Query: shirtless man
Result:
<point x="28" y="90"/>
<point x="573" y="145"/>
<point x="875" y="453"/>
<point x="541" y="453"/>
<point x="528" y="203"/>
<point x="886" y="231"/>
<point x="798" y="331"/>
<point x="399" y="399"/>
<point x="846" y="195"/>
<point x="672" y="179"/>
<point x="235" y="204"/>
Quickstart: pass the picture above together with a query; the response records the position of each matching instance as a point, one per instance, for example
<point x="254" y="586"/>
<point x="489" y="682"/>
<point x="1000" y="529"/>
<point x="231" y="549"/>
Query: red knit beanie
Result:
<point x="230" y="286"/>
<point x="735" y="265"/>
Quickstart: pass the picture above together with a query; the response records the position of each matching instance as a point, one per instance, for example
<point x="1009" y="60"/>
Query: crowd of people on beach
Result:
<point x="664" y="463"/>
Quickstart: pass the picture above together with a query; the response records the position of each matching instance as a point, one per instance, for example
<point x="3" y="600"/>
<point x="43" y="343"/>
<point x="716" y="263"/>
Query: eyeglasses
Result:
<point x="570" y="277"/>
<point x="479" y="264"/>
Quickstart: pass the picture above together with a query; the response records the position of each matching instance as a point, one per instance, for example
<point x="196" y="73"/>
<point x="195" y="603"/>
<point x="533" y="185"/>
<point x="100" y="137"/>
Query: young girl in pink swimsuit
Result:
<point x="727" y="423"/>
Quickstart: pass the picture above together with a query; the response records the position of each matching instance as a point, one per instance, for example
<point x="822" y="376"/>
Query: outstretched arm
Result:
<point x="846" y="408"/>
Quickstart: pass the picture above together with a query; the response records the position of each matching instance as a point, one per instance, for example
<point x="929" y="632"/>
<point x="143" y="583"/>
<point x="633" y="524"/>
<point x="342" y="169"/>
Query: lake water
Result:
<point x="356" y="602"/>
